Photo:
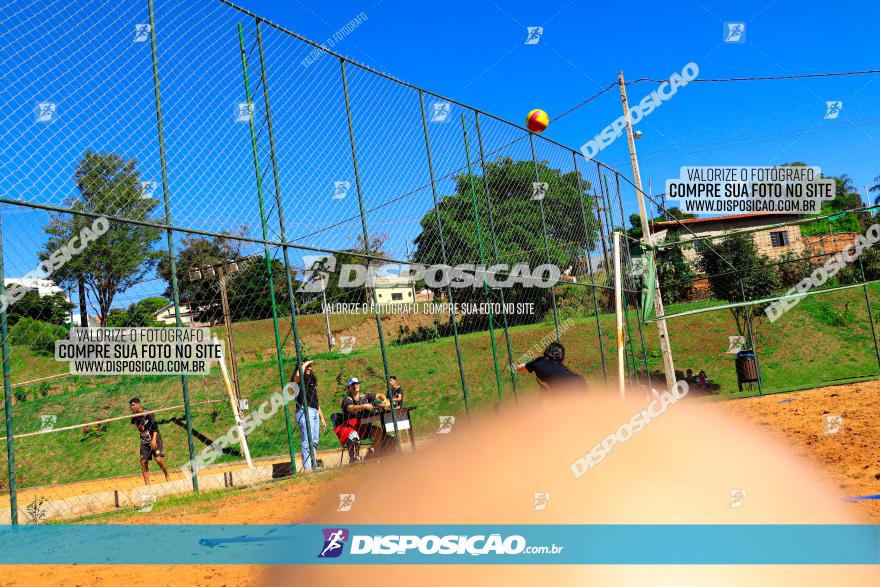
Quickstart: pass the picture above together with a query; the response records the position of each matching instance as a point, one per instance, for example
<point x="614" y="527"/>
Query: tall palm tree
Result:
<point x="876" y="188"/>
<point x="846" y="195"/>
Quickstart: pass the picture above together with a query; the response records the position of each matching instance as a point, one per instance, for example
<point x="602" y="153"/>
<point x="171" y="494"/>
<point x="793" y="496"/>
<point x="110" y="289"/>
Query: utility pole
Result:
<point x="227" y="322"/>
<point x="409" y="271"/>
<point x="324" y="283"/>
<point x="668" y="366"/>
<point x="220" y="271"/>
<point x="319" y="271"/>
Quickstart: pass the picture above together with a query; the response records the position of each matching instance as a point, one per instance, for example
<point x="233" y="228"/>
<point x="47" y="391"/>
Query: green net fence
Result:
<point x="801" y="293"/>
<point x="194" y="166"/>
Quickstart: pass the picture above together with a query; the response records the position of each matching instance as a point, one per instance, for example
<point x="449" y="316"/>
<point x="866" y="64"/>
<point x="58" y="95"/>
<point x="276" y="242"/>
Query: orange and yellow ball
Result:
<point x="537" y="120"/>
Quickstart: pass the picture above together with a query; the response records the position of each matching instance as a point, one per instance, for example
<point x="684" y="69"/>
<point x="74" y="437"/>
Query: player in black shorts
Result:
<point x="550" y="371"/>
<point x="151" y="440"/>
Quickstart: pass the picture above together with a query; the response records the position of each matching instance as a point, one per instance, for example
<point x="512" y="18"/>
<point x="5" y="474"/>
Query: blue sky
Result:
<point x="83" y="58"/>
<point x="474" y="52"/>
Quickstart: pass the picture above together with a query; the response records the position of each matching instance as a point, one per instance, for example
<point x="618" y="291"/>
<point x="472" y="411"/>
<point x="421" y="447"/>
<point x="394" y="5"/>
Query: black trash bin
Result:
<point x="746" y="368"/>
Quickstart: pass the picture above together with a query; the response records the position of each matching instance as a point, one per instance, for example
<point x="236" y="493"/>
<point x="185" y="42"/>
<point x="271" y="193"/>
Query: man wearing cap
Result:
<point x="358" y="404"/>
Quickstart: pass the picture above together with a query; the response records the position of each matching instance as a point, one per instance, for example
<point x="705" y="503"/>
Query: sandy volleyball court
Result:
<point x="680" y="469"/>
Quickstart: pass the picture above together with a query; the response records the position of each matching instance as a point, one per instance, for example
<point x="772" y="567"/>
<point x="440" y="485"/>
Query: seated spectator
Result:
<point x="550" y="371"/>
<point x="689" y="377"/>
<point x="702" y="380"/>
<point x="354" y="407"/>
<point x="348" y="436"/>
<point x="396" y="392"/>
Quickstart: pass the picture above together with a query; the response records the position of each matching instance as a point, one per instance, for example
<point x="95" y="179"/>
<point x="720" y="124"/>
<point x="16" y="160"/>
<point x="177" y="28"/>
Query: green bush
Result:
<point x="406" y="335"/>
<point x="575" y="302"/>
<point x="38" y="335"/>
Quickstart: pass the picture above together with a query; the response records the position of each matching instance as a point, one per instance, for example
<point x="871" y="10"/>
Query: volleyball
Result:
<point x="537" y="120"/>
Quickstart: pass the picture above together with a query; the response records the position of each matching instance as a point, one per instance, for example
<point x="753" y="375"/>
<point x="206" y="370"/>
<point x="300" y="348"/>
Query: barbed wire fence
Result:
<point x="225" y="153"/>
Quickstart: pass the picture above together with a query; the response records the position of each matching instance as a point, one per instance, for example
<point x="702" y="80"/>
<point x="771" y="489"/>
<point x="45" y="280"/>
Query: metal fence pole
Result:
<point x="467" y="154"/>
<point x="599" y="216"/>
<point x="268" y="255"/>
<point x="588" y="247"/>
<point x="464" y="389"/>
<point x="546" y="242"/>
<point x="608" y="211"/>
<point x="175" y="293"/>
<point x="620" y="203"/>
<point x="638" y="306"/>
<point x="504" y="324"/>
<point x="746" y="310"/>
<point x="357" y="182"/>
<point x="631" y="356"/>
<point x="7" y="391"/>
<point x="870" y="310"/>
<point x="283" y="234"/>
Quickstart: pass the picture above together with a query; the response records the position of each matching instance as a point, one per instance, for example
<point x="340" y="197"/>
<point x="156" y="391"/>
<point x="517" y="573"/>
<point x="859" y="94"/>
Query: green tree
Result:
<point x="673" y="213"/>
<point x="792" y="268"/>
<point x="876" y="188"/>
<point x="138" y="315"/>
<point x="109" y="185"/>
<point x="201" y="292"/>
<point x="248" y="291"/>
<point x="871" y="262"/>
<point x="846" y="195"/>
<point x="54" y="309"/>
<point x="675" y="273"/>
<point x="635" y="227"/>
<point x="318" y="273"/>
<point x="737" y="273"/>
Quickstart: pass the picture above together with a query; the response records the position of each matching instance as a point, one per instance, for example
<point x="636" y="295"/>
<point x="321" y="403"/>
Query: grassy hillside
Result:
<point x="826" y="338"/>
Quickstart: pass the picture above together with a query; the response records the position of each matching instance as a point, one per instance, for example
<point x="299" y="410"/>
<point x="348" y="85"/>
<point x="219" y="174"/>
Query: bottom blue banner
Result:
<point x="443" y="544"/>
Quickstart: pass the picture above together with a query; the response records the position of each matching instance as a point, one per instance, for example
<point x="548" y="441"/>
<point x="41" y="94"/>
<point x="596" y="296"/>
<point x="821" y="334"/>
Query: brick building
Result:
<point x="773" y="241"/>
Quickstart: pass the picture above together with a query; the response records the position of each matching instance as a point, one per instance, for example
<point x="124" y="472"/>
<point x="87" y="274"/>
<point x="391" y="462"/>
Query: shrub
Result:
<point x="792" y="269"/>
<point x="406" y="335"/>
<point x="575" y="302"/>
<point x="35" y="511"/>
<point x="20" y="395"/>
<point x="96" y="430"/>
<point x="834" y="316"/>
<point x="43" y="389"/>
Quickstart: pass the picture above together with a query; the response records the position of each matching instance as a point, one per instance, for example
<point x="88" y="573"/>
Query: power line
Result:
<point x="720" y="80"/>
<point x="761" y="78"/>
<point x="585" y="102"/>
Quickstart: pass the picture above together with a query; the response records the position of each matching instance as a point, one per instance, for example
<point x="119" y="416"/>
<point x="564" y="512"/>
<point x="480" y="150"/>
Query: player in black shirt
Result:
<point x="550" y="371"/>
<point x="396" y="392"/>
<point x="151" y="441"/>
